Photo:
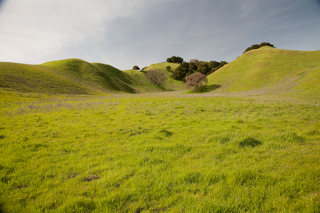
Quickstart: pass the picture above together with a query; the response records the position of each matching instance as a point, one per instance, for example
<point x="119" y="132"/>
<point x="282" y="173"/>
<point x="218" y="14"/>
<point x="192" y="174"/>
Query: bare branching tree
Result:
<point x="156" y="76"/>
<point x="196" y="81"/>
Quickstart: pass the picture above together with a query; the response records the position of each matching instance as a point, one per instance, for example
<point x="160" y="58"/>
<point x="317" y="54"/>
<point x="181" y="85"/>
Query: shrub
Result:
<point x="292" y="137"/>
<point x="136" y="67"/>
<point x="169" y="69"/>
<point x="196" y="81"/>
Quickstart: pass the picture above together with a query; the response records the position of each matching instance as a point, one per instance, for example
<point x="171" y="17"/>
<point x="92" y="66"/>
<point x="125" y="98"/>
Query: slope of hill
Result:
<point x="270" y="71"/>
<point x="138" y="80"/>
<point x="39" y="79"/>
<point x="101" y="76"/>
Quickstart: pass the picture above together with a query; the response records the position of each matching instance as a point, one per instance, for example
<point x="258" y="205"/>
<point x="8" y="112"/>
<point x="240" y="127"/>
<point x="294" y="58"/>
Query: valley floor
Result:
<point x="160" y="152"/>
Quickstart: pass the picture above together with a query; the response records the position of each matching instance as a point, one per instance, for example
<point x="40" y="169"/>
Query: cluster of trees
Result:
<point x="195" y="72"/>
<point x="175" y="59"/>
<point x="203" y="67"/>
<point x="257" y="46"/>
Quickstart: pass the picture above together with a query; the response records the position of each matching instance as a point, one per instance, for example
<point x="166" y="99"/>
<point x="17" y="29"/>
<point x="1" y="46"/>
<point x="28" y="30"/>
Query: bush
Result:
<point x="136" y="67"/>
<point x="169" y="69"/>
<point x="196" y="81"/>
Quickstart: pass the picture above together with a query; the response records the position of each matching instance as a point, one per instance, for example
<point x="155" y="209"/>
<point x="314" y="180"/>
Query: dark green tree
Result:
<point x="257" y="46"/>
<point x="192" y="67"/>
<point x="136" y="67"/>
<point x="266" y="44"/>
<point x="181" y="72"/>
<point x="203" y="67"/>
<point x="175" y="59"/>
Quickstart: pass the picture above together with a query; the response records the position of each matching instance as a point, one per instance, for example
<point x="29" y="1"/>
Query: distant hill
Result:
<point x="270" y="71"/>
<point x="39" y="79"/>
<point x="262" y="71"/>
<point x="72" y="76"/>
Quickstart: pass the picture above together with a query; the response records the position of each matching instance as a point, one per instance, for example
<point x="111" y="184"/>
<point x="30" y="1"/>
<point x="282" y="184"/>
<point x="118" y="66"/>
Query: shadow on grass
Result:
<point x="1" y="209"/>
<point x="207" y="88"/>
<point x="213" y="87"/>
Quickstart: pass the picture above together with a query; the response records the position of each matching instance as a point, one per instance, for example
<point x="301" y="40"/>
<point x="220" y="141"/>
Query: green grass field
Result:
<point x="172" y="152"/>
<point x="87" y="137"/>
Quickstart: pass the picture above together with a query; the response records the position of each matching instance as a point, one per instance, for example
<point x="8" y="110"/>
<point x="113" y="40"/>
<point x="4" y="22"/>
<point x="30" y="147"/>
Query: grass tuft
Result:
<point x="194" y="177"/>
<point x="293" y="137"/>
<point x="249" y="142"/>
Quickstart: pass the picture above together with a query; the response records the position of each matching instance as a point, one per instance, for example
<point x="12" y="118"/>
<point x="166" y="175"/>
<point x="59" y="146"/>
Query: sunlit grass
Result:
<point x="147" y="153"/>
<point x="270" y="71"/>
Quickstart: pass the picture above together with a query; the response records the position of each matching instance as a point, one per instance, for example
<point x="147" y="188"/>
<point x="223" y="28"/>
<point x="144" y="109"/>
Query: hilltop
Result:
<point x="270" y="71"/>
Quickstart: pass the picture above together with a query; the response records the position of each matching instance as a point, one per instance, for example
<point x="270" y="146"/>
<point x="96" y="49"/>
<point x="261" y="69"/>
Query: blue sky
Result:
<point x="124" y="33"/>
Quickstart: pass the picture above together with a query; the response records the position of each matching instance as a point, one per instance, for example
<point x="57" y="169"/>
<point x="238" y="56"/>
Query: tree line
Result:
<point x="203" y="67"/>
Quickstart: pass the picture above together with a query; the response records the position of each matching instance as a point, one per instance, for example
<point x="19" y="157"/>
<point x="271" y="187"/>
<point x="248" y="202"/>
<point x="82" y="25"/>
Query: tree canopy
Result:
<point x="257" y="46"/>
<point x="175" y="59"/>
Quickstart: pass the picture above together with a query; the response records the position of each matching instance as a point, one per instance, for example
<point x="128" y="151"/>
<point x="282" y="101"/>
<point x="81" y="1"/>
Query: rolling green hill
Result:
<point x="101" y="76"/>
<point x="262" y="71"/>
<point x="73" y="76"/>
<point x="39" y="79"/>
<point x="270" y="71"/>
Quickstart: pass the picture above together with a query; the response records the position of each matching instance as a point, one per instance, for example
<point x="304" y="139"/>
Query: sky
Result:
<point x="124" y="33"/>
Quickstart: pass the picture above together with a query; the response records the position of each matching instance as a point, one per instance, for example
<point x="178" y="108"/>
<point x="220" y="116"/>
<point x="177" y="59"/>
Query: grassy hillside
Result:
<point x="99" y="75"/>
<point x="138" y="80"/>
<point x="39" y="79"/>
<point x="270" y="71"/>
<point x="170" y="83"/>
<point x="75" y="76"/>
